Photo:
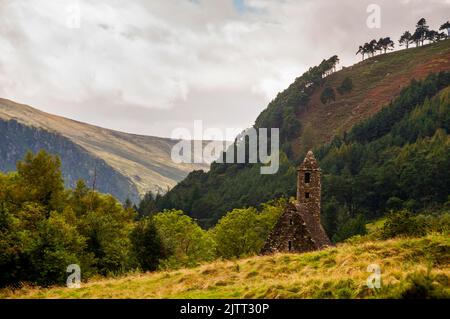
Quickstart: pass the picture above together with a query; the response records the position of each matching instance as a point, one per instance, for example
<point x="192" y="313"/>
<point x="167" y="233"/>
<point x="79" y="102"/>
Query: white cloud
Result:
<point x="150" y="66"/>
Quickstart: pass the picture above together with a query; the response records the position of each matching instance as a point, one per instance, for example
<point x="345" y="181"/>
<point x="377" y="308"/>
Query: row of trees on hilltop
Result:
<point x="370" y="48"/>
<point x="421" y="34"/>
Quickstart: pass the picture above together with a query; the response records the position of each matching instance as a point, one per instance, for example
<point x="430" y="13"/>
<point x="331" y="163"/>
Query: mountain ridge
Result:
<point x="144" y="160"/>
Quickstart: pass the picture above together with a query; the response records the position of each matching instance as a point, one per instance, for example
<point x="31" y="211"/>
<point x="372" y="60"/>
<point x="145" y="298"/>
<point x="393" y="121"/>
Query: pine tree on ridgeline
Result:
<point x="385" y="44"/>
<point x="445" y="26"/>
<point x="361" y="51"/>
<point x="421" y="31"/>
<point x="406" y="39"/>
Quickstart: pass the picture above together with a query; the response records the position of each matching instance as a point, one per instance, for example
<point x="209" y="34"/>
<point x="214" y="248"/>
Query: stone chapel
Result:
<point x="299" y="228"/>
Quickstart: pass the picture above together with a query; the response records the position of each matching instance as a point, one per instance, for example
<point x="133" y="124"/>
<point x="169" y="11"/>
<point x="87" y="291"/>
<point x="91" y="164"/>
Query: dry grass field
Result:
<point x="410" y="267"/>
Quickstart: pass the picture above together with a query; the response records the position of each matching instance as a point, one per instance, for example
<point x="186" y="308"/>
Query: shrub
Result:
<point x="425" y="286"/>
<point x="394" y="203"/>
<point x="346" y="86"/>
<point x="402" y="223"/>
<point x="147" y="245"/>
<point x="327" y="95"/>
<point x="350" y="227"/>
<point x="236" y="240"/>
<point x="184" y="240"/>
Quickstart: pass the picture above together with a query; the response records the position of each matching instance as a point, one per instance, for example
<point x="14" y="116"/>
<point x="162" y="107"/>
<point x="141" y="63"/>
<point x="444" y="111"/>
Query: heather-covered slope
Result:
<point x="376" y="81"/>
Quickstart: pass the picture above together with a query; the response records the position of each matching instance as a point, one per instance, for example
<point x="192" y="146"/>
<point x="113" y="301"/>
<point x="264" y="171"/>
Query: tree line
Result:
<point x="421" y="34"/>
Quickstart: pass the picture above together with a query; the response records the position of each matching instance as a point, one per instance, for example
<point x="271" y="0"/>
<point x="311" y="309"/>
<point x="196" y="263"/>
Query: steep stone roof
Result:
<point x="309" y="163"/>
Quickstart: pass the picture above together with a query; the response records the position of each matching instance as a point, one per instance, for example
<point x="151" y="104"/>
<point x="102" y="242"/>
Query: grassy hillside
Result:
<point x="414" y="267"/>
<point x="144" y="160"/>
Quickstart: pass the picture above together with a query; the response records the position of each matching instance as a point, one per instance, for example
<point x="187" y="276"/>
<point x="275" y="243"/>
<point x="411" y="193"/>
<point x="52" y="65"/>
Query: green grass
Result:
<point x="410" y="267"/>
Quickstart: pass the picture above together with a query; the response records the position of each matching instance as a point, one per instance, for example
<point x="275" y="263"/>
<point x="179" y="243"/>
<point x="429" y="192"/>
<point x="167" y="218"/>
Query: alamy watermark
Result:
<point x="251" y="146"/>
<point x="74" y="279"/>
<point x="73" y="20"/>
<point x="373" y="20"/>
<point x="374" y="280"/>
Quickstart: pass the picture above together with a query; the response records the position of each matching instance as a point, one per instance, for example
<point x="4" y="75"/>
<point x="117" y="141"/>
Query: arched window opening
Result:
<point x="307" y="178"/>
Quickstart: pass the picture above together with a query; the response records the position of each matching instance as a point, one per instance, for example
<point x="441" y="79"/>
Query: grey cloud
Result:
<point x="150" y="66"/>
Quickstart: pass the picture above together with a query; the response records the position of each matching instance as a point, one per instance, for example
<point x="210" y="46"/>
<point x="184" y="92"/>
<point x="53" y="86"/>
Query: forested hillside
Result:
<point x="397" y="158"/>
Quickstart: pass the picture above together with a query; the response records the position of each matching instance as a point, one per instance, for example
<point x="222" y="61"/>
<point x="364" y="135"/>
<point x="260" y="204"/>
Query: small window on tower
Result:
<point x="307" y="177"/>
<point x="306" y="195"/>
<point x="290" y="245"/>
<point x="291" y="222"/>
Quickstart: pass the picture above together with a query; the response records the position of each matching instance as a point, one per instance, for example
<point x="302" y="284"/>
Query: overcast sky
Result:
<point x="148" y="67"/>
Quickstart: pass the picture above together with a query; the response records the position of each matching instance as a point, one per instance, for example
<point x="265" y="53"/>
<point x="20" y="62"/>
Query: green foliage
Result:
<point x="185" y="241"/>
<point x="402" y="223"/>
<point x="394" y="203"/>
<point x="107" y="227"/>
<point x="425" y="286"/>
<point x="346" y="86"/>
<point x="40" y="179"/>
<point x="147" y="245"/>
<point x="242" y="232"/>
<point x="327" y="95"/>
<point x="349" y="227"/>
<point x="44" y="228"/>
<point x="208" y="196"/>
<point x="57" y="244"/>
<point x="396" y="159"/>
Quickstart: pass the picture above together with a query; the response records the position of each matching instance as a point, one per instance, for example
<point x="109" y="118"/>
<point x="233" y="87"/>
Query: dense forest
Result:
<point x="398" y="158"/>
<point x="44" y="228"/>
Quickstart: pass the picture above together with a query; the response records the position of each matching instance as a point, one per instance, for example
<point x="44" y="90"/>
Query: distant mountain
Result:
<point x="124" y="165"/>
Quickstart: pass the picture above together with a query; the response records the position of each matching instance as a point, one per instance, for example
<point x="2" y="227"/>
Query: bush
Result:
<point x="147" y="245"/>
<point x="425" y="286"/>
<point x="243" y="232"/>
<point x="186" y="243"/>
<point x="346" y="86"/>
<point x="350" y="227"/>
<point x="402" y="223"/>
<point x="327" y="95"/>
<point x="394" y="203"/>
